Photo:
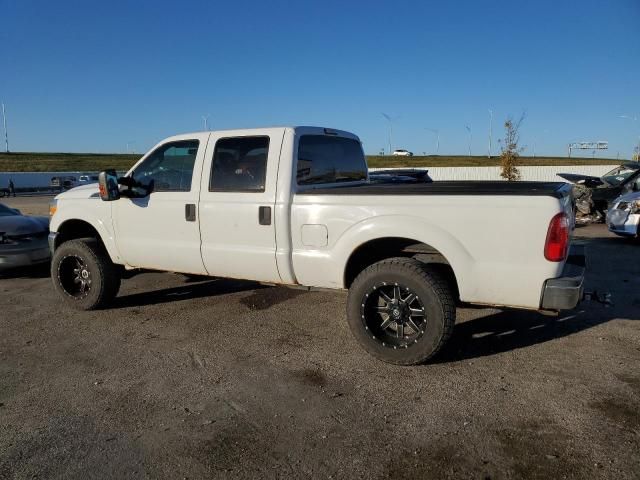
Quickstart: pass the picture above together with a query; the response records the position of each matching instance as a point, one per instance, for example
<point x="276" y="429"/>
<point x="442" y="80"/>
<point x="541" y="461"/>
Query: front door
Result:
<point x="237" y="200"/>
<point x="160" y="230"/>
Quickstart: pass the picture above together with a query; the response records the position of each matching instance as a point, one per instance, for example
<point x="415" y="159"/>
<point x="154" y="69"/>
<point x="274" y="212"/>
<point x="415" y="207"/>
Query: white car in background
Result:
<point x="402" y="153"/>
<point x="623" y="218"/>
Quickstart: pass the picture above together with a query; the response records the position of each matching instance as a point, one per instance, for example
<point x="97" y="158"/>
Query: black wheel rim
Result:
<point x="74" y="276"/>
<point x="393" y="314"/>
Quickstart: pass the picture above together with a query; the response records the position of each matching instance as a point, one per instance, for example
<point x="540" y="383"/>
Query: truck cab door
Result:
<point x="237" y="200"/>
<point x="160" y="230"/>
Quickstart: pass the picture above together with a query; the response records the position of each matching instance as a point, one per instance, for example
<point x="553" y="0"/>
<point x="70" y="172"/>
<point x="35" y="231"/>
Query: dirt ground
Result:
<point x="227" y="379"/>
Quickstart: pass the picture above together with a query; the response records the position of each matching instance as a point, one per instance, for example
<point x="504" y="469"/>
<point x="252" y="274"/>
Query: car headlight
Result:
<point x="53" y="206"/>
<point x="5" y="239"/>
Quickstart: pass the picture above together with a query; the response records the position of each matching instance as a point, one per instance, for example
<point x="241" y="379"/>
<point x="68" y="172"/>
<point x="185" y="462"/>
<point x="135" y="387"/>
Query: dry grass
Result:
<point x="93" y="162"/>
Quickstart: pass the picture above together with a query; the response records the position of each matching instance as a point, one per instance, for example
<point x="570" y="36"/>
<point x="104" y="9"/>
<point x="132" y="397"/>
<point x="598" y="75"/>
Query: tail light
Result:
<point x="557" y="244"/>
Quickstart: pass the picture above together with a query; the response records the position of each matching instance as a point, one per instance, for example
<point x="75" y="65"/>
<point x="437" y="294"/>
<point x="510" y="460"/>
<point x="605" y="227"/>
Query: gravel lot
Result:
<point x="227" y="379"/>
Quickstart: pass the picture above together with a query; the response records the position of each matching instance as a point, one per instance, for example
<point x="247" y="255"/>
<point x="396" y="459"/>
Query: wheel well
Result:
<point x="72" y="229"/>
<point x="376" y="250"/>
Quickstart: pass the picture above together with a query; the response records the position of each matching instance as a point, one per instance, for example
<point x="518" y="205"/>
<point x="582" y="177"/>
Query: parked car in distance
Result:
<point x="85" y="179"/>
<point x="23" y="239"/>
<point x="402" y="153"/>
<point x="623" y="218"/>
<point x="64" y="182"/>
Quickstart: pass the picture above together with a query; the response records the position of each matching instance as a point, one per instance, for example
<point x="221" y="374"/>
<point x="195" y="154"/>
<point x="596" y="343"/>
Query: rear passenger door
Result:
<point x="237" y="200"/>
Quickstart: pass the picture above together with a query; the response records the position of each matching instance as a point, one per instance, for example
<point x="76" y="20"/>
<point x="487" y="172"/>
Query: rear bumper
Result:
<point x="624" y="225"/>
<point x="566" y="291"/>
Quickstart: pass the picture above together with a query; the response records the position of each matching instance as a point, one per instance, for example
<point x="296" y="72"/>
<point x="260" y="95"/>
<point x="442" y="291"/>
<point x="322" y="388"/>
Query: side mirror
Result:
<point x="108" y="185"/>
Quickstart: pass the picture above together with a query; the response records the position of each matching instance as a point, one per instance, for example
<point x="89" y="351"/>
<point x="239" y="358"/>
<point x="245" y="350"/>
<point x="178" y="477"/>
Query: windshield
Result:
<point x="6" y="211"/>
<point x="619" y="175"/>
<point x="323" y="159"/>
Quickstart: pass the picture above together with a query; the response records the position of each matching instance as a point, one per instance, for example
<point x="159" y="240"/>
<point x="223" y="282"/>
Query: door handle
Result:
<point x="264" y="215"/>
<point x="190" y="212"/>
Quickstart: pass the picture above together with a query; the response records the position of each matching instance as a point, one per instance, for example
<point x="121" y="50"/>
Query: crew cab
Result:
<point x="295" y="206"/>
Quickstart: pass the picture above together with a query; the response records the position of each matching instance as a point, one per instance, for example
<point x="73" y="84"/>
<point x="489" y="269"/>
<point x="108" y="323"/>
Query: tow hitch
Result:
<point x="594" y="296"/>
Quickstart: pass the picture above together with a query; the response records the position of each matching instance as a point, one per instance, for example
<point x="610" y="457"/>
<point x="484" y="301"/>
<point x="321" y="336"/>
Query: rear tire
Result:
<point x="400" y="311"/>
<point x="84" y="275"/>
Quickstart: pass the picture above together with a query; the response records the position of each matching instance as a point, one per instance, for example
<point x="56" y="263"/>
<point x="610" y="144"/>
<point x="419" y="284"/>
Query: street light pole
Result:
<point x="205" y="118"/>
<point x="390" y="120"/>
<point x="470" y="137"/>
<point x="4" y="122"/>
<point x="437" y="132"/>
<point x="490" y="125"/>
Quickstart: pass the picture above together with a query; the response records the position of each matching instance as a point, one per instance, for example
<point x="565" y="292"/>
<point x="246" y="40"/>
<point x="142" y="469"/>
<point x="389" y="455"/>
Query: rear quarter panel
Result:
<point x="495" y="244"/>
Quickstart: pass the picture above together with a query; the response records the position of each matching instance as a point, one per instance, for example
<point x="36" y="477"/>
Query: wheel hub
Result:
<point x="394" y="315"/>
<point x="74" y="276"/>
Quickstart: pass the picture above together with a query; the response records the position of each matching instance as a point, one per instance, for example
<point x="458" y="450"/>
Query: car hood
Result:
<point x="586" y="180"/>
<point x="628" y="197"/>
<point x="83" y="191"/>
<point x="23" y="225"/>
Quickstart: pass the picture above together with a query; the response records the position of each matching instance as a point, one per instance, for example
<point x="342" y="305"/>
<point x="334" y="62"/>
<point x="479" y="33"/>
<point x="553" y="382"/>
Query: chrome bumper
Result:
<point x="566" y="291"/>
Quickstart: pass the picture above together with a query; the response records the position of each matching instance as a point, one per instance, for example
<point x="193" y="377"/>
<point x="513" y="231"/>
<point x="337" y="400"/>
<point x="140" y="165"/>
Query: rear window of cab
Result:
<point x="329" y="159"/>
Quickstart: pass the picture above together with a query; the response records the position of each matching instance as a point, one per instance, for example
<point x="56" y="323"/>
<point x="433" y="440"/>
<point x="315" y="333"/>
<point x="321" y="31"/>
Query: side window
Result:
<point x="170" y="167"/>
<point x="239" y="164"/>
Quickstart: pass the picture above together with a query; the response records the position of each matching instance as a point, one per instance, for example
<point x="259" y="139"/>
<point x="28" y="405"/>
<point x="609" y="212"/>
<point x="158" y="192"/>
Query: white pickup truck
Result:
<point x="294" y="206"/>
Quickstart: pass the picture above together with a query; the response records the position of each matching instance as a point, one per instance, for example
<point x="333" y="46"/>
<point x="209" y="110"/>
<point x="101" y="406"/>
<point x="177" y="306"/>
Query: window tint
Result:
<point x="324" y="159"/>
<point x="239" y="164"/>
<point x="170" y="167"/>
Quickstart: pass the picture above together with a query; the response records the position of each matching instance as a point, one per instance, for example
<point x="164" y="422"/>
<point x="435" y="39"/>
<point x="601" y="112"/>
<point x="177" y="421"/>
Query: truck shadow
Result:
<point x="513" y="329"/>
<point x="192" y="290"/>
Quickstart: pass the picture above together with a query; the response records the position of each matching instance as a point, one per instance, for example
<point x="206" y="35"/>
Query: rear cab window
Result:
<point x="324" y="159"/>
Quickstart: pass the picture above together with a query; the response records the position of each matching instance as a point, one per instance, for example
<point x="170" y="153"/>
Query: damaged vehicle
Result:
<point x="400" y="176"/>
<point x="23" y="239"/>
<point x="623" y="218"/>
<point x="593" y="195"/>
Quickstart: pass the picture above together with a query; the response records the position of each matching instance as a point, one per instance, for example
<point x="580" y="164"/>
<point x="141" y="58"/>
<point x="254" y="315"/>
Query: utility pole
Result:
<point x="205" y="118"/>
<point x="470" y="137"/>
<point x="6" y="135"/>
<point x="490" y="122"/>
<point x="390" y="120"/>
<point x="437" y="132"/>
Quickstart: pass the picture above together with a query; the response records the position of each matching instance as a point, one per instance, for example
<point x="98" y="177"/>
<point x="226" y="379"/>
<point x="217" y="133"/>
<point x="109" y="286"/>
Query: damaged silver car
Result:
<point x="623" y="218"/>
<point x="23" y="239"/>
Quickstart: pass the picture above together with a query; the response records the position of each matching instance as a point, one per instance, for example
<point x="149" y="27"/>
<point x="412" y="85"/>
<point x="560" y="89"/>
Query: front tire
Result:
<point x="84" y="275"/>
<point x="400" y="311"/>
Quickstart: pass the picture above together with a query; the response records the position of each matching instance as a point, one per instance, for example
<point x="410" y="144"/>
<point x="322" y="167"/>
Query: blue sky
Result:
<point x="89" y="76"/>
